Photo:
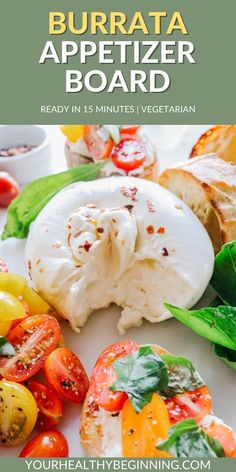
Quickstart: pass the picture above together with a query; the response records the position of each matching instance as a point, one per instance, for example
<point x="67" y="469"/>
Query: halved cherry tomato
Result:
<point x="129" y="130"/>
<point x="195" y="404"/>
<point x="9" y="189"/>
<point x="18" y="413"/>
<point x="47" y="444"/>
<point x="10" y="309"/>
<point x="224" y="434"/>
<point x="65" y="373"/>
<point x="98" y="148"/>
<point x="141" y="431"/>
<point x="48" y="402"/>
<point x="33" y="340"/>
<point x="3" y="266"/>
<point x="129" y="154"/>
<point x="103" y="376"/>
<point x="27" y="313"/>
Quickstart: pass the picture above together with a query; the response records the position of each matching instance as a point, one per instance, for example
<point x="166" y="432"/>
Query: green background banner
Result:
<point x="118" y="465"/>
<point x="208" y="86"/>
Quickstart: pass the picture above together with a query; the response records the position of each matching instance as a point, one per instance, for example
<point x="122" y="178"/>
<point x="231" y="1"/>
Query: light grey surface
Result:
<point x="100" y="330"/>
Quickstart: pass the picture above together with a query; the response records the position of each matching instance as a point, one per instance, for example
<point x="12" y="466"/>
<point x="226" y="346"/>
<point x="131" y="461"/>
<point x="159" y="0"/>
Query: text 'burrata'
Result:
<point x="122" y="240"/>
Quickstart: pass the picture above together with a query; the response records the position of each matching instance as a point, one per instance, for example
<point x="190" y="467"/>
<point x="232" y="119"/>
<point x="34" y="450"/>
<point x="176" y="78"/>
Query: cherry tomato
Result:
<point x="10" y="309"/>
<point x="98" y="148"/>
<point x="33" y="339"/>
<point x="18" y="413"/>
<point x="65" y="373"/>
<point x="27" y="313"/>
<point x="129" y="154"/>
<point x="129" y="130"/>
<point x="103" y="376"/>
<point x="224" y="434"/>
<point x="47" y="444"/>
<point x="3" y="266"/>
<point x="9" y="189"/>
<point x="48" y="402"/>
<point x="195" y="404"/>
<point x="73" y="132"/>
<point x="141" y="431"/>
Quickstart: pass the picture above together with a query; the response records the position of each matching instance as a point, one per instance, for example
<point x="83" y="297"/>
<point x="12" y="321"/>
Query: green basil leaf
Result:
<point x="224" y="275"/>
<point x="6" y="348"/>
<point x="182" y="375"/>
<point x="228" y="356"/>
<point x="140" y="375"/>
<point x="187" y="439"/>
<point x="35" y="195"/>
<point x="218" y="324"/>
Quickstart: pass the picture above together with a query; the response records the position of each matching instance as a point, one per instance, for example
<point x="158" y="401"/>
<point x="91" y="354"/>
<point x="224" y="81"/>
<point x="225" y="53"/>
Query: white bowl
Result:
<point x="29" y="165"/>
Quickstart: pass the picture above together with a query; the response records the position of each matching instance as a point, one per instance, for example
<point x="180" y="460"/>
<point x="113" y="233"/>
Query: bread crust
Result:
<point x="208" y="185"/>
<point x="220" y="139"/>
<point x="90" y="430"/>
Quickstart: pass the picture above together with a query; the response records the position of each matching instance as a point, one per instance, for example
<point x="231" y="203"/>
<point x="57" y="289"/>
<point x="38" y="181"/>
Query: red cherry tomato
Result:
<point x="9" y="189"/>
<point x="129" y="130"/>
<point x="195" y="404"/>
<point x="33" y="339"/>
<point x="47" y="444"/>
<point x="103" y="376"/>
<point x="3" y="266"/>
<point x="224" y="434"/>
<point x="65" y="373"/>
<point x="129" y="154"/>
<point x="48" y="402"/>
<point x="98" y="148"/>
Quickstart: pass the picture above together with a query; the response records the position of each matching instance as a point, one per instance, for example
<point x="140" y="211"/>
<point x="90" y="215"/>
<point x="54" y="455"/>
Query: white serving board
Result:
<point x="173" y="144"/>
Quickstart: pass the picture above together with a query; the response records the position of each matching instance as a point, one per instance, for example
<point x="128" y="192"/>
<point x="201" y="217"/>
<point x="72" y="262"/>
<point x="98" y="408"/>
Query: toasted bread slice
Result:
<point x="220" y="140"/>
<point x="91" y="426"/>
<point x="207" y="184"/>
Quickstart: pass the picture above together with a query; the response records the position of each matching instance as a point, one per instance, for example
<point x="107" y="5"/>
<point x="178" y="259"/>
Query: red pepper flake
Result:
<point x="150" y="229"/>
<point x="129" y="207"/>
<point x="86" y="246"/>
<point x="164" y="251"/>
<point x="100" y="230"/>
<point x="130" y="193"/>
<point x="151" y="207"/>
<point x="161" y="230"/>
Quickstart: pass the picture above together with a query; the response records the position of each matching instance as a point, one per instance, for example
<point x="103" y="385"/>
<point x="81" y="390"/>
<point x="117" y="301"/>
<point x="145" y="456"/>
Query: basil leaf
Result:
<point x="218" y="324"/>
<point x="182" y="375"/>
<point x="228" y="356"/>
<point x="224" y="275"/>
<point x="140" y="375"/>
<point x="6" y="348"/>
<point x="24" y="208"/>
<point x="187" y="439"/>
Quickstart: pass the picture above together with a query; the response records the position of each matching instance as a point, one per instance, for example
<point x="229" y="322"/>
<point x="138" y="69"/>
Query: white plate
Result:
<point x="100" y="331"/>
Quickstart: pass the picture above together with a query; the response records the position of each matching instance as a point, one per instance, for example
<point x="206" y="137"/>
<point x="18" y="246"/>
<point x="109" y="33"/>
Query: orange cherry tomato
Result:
<point x="65" y="373"/>
<point x="98" y="148"/>
<point x="47" y="444"/>
<point x="141" y="431"/>
<point x="49" y="404"/>
<point x="195" y="404"/>
<point x="224" y="434"/>
<point x="129" y="130"/>
<point x="33" y="339"/>
<point x="103" y="376"/>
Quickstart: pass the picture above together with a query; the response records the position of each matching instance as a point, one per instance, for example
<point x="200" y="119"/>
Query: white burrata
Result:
<point x="123" y="240"/>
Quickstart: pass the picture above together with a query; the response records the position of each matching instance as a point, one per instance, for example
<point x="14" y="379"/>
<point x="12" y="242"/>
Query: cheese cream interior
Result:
<point x="123" y="240"/>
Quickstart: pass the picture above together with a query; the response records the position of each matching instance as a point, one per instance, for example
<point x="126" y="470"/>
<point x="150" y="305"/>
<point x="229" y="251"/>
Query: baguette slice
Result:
<point x="91" y="426"/>
<point x="221" y="140"/>
<point x="207" y="184"/>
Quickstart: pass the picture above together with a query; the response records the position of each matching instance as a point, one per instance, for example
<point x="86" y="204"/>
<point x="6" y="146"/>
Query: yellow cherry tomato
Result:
<point x="10" y="309"/>
<point x="141" y="431"/>
<point x="73" y="132"/>
<point x="18" y="413"/>
<point x="17" y="286"/>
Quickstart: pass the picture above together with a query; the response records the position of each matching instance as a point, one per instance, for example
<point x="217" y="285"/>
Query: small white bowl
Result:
<point x="29" y="165"/>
